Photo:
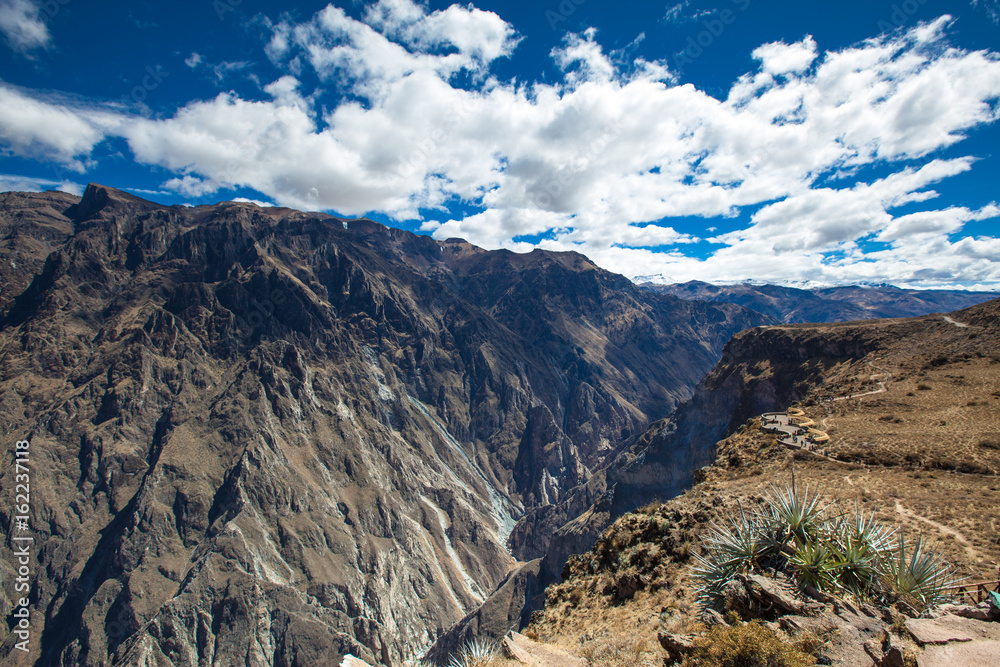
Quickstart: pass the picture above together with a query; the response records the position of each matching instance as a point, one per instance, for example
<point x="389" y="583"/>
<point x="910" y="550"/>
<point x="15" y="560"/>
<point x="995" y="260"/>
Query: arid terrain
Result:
<point x="921" y="455"/>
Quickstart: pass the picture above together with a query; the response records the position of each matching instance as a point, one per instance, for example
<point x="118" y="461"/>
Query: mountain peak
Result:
<point x="97" y="198"/>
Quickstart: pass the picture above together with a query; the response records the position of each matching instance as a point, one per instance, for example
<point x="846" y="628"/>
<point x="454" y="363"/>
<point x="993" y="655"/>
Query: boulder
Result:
<point x="769" y="597"/>
<point x="529" y="652"/>
<point x="676" y="646"/>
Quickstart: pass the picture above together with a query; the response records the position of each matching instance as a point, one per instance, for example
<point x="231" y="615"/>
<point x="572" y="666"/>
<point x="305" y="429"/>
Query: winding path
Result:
<point x="960" y="325"/>
<point x="880" y="383"/>
<point x="959" y="537"/>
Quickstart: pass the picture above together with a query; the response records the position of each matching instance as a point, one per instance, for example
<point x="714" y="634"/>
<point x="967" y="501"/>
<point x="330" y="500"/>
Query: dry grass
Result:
<point x="745" y="645"/>
<point x="620" y="652"/>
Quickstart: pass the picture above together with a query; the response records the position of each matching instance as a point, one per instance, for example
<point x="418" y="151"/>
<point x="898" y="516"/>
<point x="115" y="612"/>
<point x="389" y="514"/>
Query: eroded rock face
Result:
<point x="269" y="437"/>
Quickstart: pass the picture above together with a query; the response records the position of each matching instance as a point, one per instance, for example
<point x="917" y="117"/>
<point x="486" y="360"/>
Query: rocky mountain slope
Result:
<point x="827" y="304"/>
<point x="271" y="437"/>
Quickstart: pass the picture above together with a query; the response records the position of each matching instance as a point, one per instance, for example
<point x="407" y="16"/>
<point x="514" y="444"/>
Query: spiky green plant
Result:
<point x="477" y="652"/>
<point x="737" y="543"/>
<point x="921" y="578"/>
<point x="732" y="547"/>
<point x="814" y="564"/>
<point x="800" y="517"/>
<point x="860" y="544"/>
<point x="821" y="547"/>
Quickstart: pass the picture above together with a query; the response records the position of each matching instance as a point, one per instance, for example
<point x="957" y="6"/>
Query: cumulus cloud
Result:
<point x="30" y="127"/>
<point x="15" y="183"/>
<point x="781" y="58"/>
<point x="22" y="25"/>
<point x="600" y="161"/>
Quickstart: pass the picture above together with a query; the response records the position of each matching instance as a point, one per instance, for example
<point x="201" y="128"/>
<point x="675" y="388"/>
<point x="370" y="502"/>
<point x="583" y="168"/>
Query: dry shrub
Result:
<point x="650" y="507"/>
<point x="746" y="645"/>
<point x="809" y="642"/>
<point x="620" y="653"/>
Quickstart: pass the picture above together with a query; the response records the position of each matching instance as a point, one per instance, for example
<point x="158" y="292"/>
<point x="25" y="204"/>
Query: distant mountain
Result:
<point x="826" y="304"/>
<point x="261" y="436"/>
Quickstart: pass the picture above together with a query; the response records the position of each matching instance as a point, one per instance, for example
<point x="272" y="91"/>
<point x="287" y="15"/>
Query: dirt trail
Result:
<point x="881" y="385"/>
<point x="960" y="325"/>
<point x="970" y="550"/>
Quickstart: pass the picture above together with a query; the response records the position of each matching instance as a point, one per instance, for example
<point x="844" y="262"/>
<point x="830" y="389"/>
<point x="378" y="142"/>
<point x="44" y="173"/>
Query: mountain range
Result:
<point x="267" y="436"/>
<point x="826" y="304"/>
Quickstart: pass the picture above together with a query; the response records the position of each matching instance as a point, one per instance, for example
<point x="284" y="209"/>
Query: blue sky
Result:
<point x="738" y="139"/>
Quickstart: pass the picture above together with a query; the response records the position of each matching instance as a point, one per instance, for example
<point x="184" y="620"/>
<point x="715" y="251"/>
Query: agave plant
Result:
<point x="800" y="517"/>
<point x="732" y="547"/>
<point x="849" y="552"/>
<point x="737" y="543"/>
<point x="476" y="652"/>
<point x="814" y="564"/>
<point x="920" y="578"/>
<point x="859" y="543"/>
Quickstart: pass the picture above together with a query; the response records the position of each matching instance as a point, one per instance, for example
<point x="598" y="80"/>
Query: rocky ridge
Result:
<point x="827" y="304"/>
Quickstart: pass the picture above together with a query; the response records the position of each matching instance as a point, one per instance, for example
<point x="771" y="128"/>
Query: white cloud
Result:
<point x="675" y="12"/>
<point x="781" y="58"/>
<point x="992" y="8"/>
<point x="398" y="39"/>
<point x="225" y="68"/>
<point x="193" y="60"/>
<point x="594" y="65"/>
<point x="935" y="223"/>
<point x="599" y="161"/>
<point x="15" y="183"/>
<point x="34" y="128"/>
<point x="22" y="25"/>
<point x="191" y="186"/>
<point x="285" y="92"/>
<point x="257" y="202"/>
